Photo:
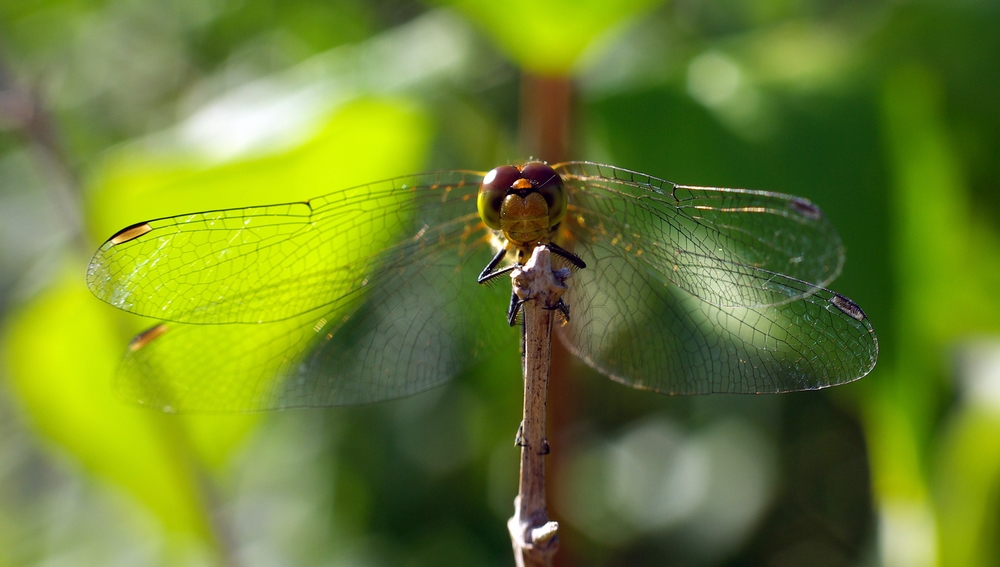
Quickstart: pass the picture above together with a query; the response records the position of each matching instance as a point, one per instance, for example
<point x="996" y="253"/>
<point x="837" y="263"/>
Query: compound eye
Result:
<point x="550" y="185"/>
<point x="492" y="191"/>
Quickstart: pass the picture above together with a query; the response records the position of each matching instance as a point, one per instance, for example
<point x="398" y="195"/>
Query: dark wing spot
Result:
<point x="847" y="306"/>
<point x="805" y="208"/>
<point x="146" y="337"/>
<point x="129" y="233"/>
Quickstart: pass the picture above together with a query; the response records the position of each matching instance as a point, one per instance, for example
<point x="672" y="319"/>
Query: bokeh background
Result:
<point x="885" y="113"/>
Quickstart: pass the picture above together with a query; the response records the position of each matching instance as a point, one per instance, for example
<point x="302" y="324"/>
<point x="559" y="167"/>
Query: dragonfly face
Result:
<point x="524" y="203"/>
<point x="366" y="293"/>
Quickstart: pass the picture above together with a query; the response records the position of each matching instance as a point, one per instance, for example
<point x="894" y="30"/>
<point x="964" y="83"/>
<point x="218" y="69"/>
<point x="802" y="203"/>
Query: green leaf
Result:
<point x="548" y="37"/>
<point x="363" y="141"/>
<point x="967" y="487"/>
<point x="61" y="351"/>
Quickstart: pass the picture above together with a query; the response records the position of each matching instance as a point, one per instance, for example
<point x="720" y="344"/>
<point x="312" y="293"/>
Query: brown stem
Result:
<point x="532" y="534"/>
<point x="546" y="104"/>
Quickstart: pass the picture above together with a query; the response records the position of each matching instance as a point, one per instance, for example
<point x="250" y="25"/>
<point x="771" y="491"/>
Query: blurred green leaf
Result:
<point x="895" y="450"/>
<point x="934" y="213"/>
<point x="945" y="259"/>
<point x="363" y="141"/>
<point x="947" y="262"/>
<point x="968" y="488"/>
<point x="61" y="351"/>
<point x="548" y="37"/>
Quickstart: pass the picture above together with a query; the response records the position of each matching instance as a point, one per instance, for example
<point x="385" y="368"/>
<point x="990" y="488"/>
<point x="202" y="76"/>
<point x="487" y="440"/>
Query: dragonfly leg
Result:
<point x="567" y="255"/>
<point x="545" y="447"/>
<point x="563" y="308"/>
<point x="490" y="271"/>
<point x="514" y="308"/>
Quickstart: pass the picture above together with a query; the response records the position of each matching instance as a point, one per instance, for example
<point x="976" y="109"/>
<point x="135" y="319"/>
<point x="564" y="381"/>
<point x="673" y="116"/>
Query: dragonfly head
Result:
<point x="522" y="202"/>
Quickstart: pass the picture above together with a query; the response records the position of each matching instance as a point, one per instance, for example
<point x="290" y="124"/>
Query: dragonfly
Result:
<point x="367" y="293"/>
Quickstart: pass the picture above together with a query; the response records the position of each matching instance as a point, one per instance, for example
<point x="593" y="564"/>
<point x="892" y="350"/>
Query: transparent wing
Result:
<point x="419" y="320"/>
<point x="682" y="293"/>
<point x="367" y="294"/>
<point x="628" y="324"/>
<point x="270" y="263"/>
<point x="721" y="245"/>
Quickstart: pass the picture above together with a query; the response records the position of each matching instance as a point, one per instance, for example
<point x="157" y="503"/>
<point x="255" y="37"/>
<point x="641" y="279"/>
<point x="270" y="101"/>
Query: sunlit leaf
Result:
<point x="361" y="142"/>
<point x="62" y="350"/>
<point x="548" y="37"/>
<point x="968" y="470"/>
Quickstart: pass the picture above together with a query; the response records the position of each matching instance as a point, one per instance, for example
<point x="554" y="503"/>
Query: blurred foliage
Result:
<point x="884" y="113"/>
<point x="346" y="150"/>
<point x="528" y="33"/>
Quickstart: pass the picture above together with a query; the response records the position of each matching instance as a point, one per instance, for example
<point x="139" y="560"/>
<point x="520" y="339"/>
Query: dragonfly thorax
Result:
<point x="524" y="219"/>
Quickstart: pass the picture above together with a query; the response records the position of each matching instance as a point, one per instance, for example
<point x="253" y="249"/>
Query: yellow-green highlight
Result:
<point x="947" y="264"/>
<point x="69" y="400"/>
<point x="548" y="37"/>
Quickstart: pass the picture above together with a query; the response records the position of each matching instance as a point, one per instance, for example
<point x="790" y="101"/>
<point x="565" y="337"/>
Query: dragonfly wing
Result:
<point x="628" y="324"/>
<point x="270" y="263"/>
<point x="419" y="320"/>
<point x="721" y="245"/>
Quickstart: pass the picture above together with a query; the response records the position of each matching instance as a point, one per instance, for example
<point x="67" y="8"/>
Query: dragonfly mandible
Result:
<point x="365" y="294"/>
